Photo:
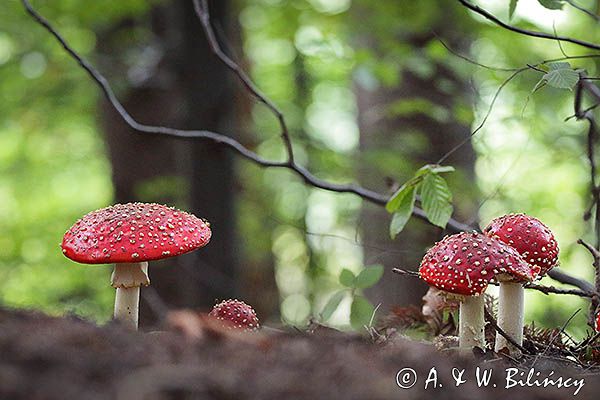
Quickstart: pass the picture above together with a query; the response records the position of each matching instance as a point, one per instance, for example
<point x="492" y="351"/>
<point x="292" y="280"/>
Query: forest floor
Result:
<point x="43" y="357"/>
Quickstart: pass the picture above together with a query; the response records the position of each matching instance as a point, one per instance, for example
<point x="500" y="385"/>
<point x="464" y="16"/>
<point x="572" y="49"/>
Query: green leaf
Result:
<point x="332" y="304"/>
<point x="436" y="199"/>
<point x="347" y="278"/>
<point x="403" y="212"/>
<point x="553" y="66"/>
<point x="368" y="277"/>
<point x="552" y="4"/>
<point x="511" y="8"/>
<point x="562" y="78"/>
<point x="361" y="312"/>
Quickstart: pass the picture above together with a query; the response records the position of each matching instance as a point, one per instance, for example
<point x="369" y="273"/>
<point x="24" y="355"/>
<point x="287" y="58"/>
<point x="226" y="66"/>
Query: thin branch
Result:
<point x="533" y="286"/>
<point x="540" y="35"/>
<point x="308" y="177"/>
<point x="595" y="192"/>
<point x="492" y="321"/>
<point x="203" y="12"/>
<point x="485" y="118"/>
<point x="583" y="10"/>
<point x="470" y="60"/>
<point x="218" y="138"/>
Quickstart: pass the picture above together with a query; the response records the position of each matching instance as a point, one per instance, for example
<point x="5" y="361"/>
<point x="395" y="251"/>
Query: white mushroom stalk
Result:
<point x="536" y="245"/>
<point x="127" y="278"/>
<point x="471" y="328"/>
<point x="510" y="316"/>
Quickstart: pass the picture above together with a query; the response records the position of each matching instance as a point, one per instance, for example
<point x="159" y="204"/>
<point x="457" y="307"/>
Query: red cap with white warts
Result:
<point x="236" y="314"/>
<point x="598" y="322"/>
<point x="529" y="236"/>
<point x="465" y="263"/>
<point x="134" y="232"/>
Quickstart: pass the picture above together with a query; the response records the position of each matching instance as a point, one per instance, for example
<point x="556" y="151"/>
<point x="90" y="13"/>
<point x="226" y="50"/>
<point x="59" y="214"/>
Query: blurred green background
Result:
<point x="316" y="59"/>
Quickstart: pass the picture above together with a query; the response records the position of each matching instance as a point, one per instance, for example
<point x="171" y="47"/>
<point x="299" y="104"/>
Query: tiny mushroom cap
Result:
<point x="236" y="314"/>
<point x="132" y="233"/>
<point x="465" y="263"/>
<point x="598" y="322"/>
<point x="529" y="236"/>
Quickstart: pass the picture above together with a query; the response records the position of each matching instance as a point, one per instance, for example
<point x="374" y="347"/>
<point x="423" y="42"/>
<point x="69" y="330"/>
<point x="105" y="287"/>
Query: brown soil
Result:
<point x="44" y="357"/>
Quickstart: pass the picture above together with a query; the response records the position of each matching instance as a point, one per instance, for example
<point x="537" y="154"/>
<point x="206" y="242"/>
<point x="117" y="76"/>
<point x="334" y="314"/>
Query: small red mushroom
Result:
<point x="463" y="265"/>
<point x="129" y="235"/>
<point x="236" y="314"/>
<point x="536" y="244"/>
<point x="598" y="322"/>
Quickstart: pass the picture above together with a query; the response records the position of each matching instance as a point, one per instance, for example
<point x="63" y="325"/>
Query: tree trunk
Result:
<point x="415" y="137"/>
<point x="187" y="87"/>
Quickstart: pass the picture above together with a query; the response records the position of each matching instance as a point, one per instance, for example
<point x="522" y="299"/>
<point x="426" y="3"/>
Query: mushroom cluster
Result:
<point x="463" y="265"/>
<point x="129" y="235"/>
<point x="513" y="250"/>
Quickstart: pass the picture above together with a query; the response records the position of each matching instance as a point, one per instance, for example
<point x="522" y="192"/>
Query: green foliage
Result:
<point x="347" y="278"/>
<point x="436" y="198"/>
<point x="511" y="8"/>
<point x="561" y="76"/>
<point x="552" y="4"/>
<point x="361" y="310"/>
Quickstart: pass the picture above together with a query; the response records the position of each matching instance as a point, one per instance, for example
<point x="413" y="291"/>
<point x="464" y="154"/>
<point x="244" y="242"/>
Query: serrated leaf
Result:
<point x="396" y="199"/>
<point x="347" y="278"/>
<point x="511" y="8"/>
<point x="368" y="277"/>
<point x="558" y="65"/>
<point x="563" y="78"/>
<point x="436" y="200"/>
<point x="332" y="304"/>
<point x="552" y="4"/>
<point x="361" y="312"/>
<point x="403" y="212"/>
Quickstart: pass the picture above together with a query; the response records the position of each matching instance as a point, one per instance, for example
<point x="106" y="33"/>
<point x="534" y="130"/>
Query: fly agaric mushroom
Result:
<point x="536" y="244"/>
<point x="598" y="322"/>
<point x="462" y="265"/>
<point x="236" y="315"/>
<point x="129" y="235"/>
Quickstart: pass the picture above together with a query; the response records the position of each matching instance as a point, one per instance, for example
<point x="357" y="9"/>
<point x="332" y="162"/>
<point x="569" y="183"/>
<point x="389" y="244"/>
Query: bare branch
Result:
<point x="540" y="35"/>
<point x="492" y="321"/>
<point x="307" y="176"/>
<point x="583" y="10"/>
<point x="533" y="286"/>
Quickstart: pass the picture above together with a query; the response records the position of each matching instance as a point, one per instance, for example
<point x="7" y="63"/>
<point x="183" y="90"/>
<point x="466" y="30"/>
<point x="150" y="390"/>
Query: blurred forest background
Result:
<point x="370" y="94"/>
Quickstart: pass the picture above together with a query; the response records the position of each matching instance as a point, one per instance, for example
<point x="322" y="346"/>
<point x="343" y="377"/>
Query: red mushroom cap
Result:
<point x="134" y="232"/>
<point x="465" y="263"/>
<point x="598" y="322"/>
<point x="236" y="314"/>
<point x="529" y="236"/>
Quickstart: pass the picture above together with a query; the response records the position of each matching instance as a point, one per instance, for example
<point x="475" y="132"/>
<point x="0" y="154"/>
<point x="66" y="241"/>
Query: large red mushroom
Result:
<point x="536" y="244"/>
<point x="462" y="265"/>
<point x="129" y="235"/>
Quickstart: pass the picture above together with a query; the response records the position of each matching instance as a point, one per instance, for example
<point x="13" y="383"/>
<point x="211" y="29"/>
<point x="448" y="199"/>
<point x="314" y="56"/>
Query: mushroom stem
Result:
<point x="510" y="316"/>
<point x="127" y="279"/>
<point x="471" y="323"/>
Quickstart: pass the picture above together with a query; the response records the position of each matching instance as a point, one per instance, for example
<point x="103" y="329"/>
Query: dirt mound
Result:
<point x="44" y="357"/>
